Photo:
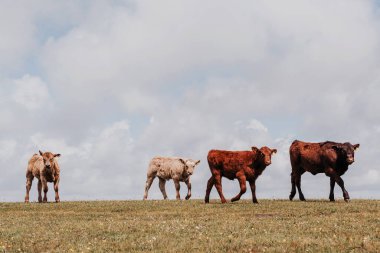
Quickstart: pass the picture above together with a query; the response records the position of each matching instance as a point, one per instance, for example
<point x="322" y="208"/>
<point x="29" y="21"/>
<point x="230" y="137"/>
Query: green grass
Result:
<point x="191" y="226"/>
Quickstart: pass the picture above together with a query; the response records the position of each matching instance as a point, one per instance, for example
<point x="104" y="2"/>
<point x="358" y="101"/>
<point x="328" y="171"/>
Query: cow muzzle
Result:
<point x="350" y="160"/>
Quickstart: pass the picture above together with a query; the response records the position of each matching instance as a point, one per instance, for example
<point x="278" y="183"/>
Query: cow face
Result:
<point x="189" y="166"/>
<point x="347" y="151"/>
<point x="264" y="154"/>
<point x="48" y="158"/>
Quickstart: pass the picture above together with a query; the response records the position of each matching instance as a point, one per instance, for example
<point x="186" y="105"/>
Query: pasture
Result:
<point x="191" y="226"/>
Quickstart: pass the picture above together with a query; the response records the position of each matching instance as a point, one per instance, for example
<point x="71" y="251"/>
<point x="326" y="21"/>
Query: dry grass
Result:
<point x="191" y="226"/>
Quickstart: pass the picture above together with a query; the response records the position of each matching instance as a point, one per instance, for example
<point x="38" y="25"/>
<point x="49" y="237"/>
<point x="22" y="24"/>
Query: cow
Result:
<point x="243" y="165"/>
<point x="331" y="158"/>
<point x="44" y="166"/>
<point x="166" y="168"/>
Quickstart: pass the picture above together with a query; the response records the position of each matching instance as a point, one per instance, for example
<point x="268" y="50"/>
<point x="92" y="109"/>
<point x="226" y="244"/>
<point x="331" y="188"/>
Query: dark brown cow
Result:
<point x="328" y="157"/>
<point x="243" y="165"/>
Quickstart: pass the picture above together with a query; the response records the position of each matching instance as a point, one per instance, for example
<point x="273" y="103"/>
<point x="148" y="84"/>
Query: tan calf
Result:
<point x="166" y="168"/>
<point x="46" y="169"/>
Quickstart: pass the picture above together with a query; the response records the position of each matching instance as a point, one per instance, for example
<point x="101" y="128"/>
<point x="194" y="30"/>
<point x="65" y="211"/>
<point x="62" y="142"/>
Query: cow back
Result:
<point x="166" y="167"/>
<point x="229" y="163"/>
<point x="312" y="157"/>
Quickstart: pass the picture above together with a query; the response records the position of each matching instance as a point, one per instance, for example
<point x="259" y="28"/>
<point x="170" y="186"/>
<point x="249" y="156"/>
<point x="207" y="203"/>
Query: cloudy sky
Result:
<point x="110" y="84"/>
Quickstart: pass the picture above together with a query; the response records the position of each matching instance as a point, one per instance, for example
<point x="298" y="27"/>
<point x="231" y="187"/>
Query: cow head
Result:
<point x="189" y="166"/>
<point x="264" y="154"/>
<point x="346" y="151"/>
<point x="48" y="158"/>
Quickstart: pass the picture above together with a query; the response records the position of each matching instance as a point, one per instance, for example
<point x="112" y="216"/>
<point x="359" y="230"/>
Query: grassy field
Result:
<point x="191" y="226"/>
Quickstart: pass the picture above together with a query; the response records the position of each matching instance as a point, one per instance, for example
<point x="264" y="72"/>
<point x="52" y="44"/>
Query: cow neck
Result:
<point x="184" y="176"/>
<point x="257" y="163"/>
<point x="341" y="162"/>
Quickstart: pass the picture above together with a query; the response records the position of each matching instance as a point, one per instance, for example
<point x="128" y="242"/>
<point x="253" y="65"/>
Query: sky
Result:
<point x="111" y="84"/>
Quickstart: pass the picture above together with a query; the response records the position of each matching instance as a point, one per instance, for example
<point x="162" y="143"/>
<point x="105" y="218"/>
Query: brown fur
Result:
<point x="328" y="157"/>
<point x="243" y="165"/>
<point x="46" y="169"/>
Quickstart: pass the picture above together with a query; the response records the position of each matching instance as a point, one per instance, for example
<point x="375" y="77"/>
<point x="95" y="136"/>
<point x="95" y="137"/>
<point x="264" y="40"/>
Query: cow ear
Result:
<point x="274" y="151"/>
<point x="356" y="146"/>
<point x="182" y="161"/>
<point x="336" y="148"/>
<point x="40" y="152"/>
<point x="255" y="149"/>
<point x="57" y="155"/>
<point x="197" y="162"/>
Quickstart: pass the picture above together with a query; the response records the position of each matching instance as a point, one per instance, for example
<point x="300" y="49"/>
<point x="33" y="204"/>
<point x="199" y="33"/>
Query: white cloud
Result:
<point x="7" y="149"/>
<point x="256" y="125"/>
<point x="31" y="92"/>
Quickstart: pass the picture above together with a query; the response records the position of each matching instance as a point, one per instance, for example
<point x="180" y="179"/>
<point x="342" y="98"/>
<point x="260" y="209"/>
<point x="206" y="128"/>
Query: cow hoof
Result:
<point x="26" y="201"/>
<point x="302" y="199"/>
<point x="224" y="201"/>
<point x="347" y="200"/>
<point x="255" y="202"/>
<point x="332" y="200"/>
<point x="187" y="197"/>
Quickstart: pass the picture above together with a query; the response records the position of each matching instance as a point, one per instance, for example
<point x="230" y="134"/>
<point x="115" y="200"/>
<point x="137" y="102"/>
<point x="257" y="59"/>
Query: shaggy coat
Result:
<point x="243" y="165"/>
<point x="166" y="168"/>
<point x="328" y="157"/>
<point x="46" y="169"/>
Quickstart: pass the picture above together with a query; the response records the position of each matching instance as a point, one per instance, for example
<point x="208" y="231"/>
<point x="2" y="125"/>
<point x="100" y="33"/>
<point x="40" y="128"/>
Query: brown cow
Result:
<point x="243" y="165"/>
<point x="46" y="169"/>
<point x="328" y="157"/>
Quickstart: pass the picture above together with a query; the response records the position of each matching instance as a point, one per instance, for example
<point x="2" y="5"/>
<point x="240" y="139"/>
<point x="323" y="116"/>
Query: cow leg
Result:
<point x="29" y="181"/>
<point x="298" y="184"/>
<point x="45" y="188"/>
<point x="252" y="183"/>
<point x="188" y="188"/>
<point x="177" y="188"/>
<point x="210" y="184"/>
<point x="161" y="184"/>
<point x="218" y="186"/>
<point x="293" y="181"/>
<point x="56" y="184"/>
<point x="332" y="185"/>
<point x="148" y="183"/>
<point x="243" y="187"/>
<point x="39" y="191"/>
<point x="340" y="182"/>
